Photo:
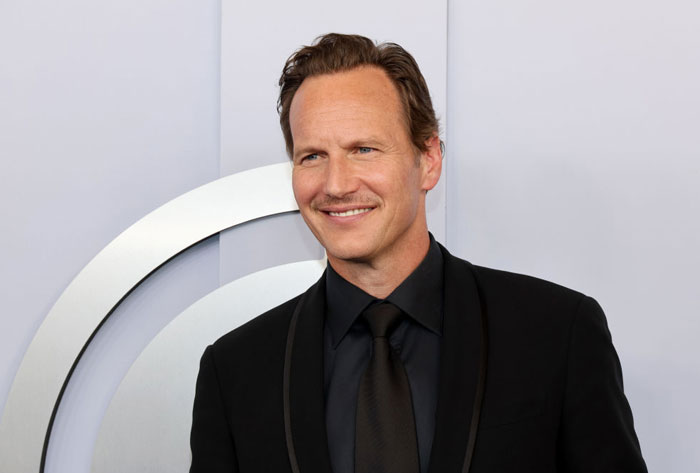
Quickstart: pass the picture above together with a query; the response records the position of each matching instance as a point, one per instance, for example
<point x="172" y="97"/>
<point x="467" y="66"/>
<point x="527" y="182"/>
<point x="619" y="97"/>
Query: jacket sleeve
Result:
<point x="211" y="440"/>
<point x="597" y="430"/>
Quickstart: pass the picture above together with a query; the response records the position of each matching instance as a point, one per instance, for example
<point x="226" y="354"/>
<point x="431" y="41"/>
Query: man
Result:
<point x="402" y="358"/>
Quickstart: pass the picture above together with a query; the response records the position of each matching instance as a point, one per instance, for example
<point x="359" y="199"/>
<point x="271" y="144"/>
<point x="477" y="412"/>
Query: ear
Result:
<point x="431" y="163"/>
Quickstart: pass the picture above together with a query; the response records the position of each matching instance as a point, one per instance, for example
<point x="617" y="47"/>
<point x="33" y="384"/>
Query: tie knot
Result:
<point x="382" y="318"/>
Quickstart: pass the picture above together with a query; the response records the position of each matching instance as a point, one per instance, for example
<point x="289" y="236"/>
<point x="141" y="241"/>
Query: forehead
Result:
<point x="364" y="97"/>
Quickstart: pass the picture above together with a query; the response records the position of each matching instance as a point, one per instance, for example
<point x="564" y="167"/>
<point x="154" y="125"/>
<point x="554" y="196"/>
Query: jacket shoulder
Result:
<point x="522" y="286"/>
<point x="267" y="330"/>
<point x="506" y="284"/>
<point x="523" y="301"/>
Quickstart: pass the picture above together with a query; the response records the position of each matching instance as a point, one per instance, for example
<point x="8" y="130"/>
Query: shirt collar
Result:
<point x="419" y="296"/>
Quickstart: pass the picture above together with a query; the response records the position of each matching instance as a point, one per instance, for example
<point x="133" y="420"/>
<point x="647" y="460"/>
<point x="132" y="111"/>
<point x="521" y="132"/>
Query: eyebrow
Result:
<point x="370" y="141"/>
<point x="305" y="151"/>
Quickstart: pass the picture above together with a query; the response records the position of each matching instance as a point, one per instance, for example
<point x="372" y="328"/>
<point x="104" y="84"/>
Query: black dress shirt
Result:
<point x="348" y="348"/>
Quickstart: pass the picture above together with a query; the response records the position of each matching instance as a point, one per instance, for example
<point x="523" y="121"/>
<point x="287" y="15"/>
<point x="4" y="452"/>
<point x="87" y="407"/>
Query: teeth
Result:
<point x="349" y="212"/>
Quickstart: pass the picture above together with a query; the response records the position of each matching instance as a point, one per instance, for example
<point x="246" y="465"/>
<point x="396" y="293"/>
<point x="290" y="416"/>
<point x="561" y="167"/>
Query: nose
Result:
<point x="340" y="178"/>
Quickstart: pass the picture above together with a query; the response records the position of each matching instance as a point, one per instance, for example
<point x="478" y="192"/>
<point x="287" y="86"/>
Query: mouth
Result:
<point x="348" y="213"/>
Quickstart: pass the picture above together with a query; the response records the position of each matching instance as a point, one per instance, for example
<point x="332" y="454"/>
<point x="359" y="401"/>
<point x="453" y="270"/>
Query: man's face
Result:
<point x="358" y="180"/>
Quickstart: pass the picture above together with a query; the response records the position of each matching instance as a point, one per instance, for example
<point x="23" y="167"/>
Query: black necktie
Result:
<point x="385" y="431"/>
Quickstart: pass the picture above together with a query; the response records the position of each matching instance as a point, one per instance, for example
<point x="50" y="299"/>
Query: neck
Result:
<point x="379" y="276"/>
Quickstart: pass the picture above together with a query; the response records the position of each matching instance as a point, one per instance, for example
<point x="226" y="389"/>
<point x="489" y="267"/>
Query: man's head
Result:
<point x="360" y="176"/>
<point x="337" y="53"/>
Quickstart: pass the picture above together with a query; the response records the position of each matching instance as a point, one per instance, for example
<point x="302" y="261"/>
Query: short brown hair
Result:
<point x="335" y="52"/>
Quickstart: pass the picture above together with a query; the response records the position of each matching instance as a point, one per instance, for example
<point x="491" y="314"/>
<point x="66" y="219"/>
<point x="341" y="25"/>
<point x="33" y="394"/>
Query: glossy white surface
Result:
<point x="147" y="424"/>
<point x="119" y="267"/>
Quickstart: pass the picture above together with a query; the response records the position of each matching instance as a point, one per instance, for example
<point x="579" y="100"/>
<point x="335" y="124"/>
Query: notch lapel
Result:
<point x="304" y="365"/>
<point x="460" y="356"/>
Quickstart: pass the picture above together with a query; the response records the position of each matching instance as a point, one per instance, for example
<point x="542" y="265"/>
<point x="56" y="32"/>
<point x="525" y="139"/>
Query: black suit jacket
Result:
<point x="553" y="398"/>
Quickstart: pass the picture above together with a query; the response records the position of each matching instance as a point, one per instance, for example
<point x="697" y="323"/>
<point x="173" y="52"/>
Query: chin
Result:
<point x="351" y="251"/>
<point x="346" y="254"/>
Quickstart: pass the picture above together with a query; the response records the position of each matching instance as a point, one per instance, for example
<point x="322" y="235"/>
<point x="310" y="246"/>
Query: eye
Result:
<point x="310" y="157"/>
<point x="364" y="149"/>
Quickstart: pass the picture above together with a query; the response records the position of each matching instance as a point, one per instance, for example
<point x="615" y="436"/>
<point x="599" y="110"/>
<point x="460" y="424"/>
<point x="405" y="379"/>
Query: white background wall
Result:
<point x="574" y="155"/>
<point x="571" y="130"/>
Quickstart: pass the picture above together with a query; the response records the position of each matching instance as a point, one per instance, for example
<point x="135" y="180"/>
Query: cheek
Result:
<point x="409" y="192"/>
<point x="302" y="188"/>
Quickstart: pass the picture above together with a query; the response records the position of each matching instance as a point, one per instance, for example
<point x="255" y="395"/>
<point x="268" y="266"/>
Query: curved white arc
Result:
<point x="158" y="390"/>
<point x="111" y="274"/>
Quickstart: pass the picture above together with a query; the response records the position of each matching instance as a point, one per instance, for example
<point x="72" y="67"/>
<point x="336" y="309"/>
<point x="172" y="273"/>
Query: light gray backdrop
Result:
<point x="573" y="154"/>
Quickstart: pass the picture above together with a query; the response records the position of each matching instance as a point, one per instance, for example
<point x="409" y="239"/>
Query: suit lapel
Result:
<point x="459" y="366"/>
<point x="306" y="398"/>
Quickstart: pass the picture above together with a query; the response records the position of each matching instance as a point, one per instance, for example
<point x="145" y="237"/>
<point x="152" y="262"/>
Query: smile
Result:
<point x="347" y="213"/>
